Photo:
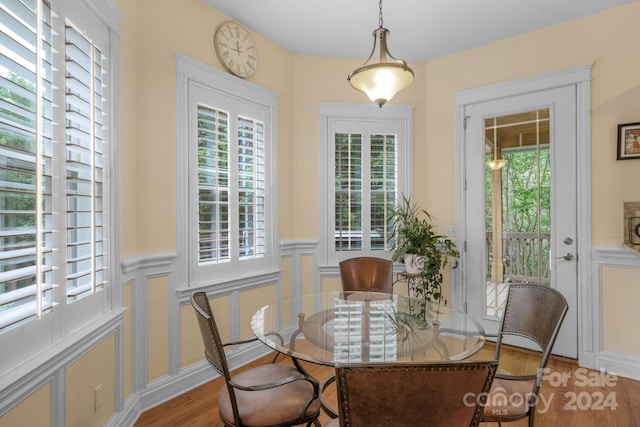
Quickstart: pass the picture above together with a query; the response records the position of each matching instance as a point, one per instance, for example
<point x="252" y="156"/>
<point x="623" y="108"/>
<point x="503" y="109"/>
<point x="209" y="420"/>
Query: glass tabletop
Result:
<point x="334" y="328"/>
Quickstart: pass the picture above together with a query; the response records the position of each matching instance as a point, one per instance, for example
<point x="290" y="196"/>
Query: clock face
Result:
<point x="236" y="49"/>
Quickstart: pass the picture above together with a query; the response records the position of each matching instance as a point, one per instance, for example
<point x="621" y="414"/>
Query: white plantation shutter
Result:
<point x="251" y="185"/>
<point x="213" y="185"/>
<point x="227" y="221"/>
<point x="53" y="97"/>
<point x="383" y="185"/>
<point x="365" y="189"/>
<point x="348" y="191"/>
<point x="25" y="163"/>
<point x="84" y="166"/>
<point x="367" y="169"/>
<point x="217" y="231"/>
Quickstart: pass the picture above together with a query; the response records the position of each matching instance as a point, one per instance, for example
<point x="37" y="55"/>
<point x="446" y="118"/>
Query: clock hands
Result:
<point x="237" y="48"/>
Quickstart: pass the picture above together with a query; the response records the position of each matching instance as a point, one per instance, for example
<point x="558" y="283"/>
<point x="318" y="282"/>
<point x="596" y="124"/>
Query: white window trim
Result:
<point x="346" y="111"/>
<point x="45" y="339"/>
<point x="192" y="73"/>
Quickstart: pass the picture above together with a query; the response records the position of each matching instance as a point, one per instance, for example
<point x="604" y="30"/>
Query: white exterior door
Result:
<point x="496" y="255"/>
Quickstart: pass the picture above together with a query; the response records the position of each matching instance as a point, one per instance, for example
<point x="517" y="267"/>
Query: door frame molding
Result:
<point x="580" y="78"/>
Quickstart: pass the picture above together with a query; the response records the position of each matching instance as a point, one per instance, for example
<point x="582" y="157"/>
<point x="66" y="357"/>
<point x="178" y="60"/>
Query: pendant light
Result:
<point x="496" y="163"/>
<point x="383" y="79"/>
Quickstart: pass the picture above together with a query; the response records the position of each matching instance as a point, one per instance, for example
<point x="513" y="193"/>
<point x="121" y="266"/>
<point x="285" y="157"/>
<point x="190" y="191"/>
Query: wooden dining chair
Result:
<point x="367" y="274"/>
<point x="535" y="313"/>
<point x="435" y="394"/>
<point x="274" y="394"/>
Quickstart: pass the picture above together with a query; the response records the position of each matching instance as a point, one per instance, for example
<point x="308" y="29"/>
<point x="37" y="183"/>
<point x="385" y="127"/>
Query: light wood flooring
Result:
<point x="571" y="397"/>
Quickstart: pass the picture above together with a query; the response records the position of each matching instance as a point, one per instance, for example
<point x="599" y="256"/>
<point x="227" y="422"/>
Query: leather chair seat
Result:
<point x="508" y="399"/>
<point x="273" y="406"/>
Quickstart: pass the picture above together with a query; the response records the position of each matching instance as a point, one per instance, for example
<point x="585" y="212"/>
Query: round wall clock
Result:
<point x="236" y="49"/>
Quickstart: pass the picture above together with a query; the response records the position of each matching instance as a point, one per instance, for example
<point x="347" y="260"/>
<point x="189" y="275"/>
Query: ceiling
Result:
<point x="420" y="30"/>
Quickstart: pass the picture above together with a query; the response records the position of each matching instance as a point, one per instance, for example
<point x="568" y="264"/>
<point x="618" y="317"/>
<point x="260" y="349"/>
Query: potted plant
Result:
<point x="425" y="253"/>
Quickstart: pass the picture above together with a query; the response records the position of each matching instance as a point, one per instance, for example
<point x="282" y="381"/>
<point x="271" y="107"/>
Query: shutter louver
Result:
<point x="213" y="185"/>
<point x="25" y="163"/>
<point x="251" y="185"/>
<point x="348" y="192"/>
<point x="365" y="190"/>
<point x="383" y="186"/>
<point x="84" y="166"/>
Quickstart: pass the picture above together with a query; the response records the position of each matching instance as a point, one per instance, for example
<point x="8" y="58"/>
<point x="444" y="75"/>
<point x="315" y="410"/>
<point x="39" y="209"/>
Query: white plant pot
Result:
<point x="414" y="264"/>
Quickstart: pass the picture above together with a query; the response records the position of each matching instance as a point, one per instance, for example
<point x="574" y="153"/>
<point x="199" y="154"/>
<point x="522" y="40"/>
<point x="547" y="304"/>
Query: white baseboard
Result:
<point x="620" y="364"/>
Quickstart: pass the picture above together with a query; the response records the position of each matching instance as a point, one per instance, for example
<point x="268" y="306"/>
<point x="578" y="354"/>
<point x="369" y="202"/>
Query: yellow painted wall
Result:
<point x="128" y="128"/>
<point x="620" y="296"/>
<point x="35" y="410"/>
<point x="191" y="348"/>
<point x="95" y="368"/>
<point x="308" y="274"/>
<point x="331" y="284"/>
<point x="286" y="275"/>
<point x="250" y="302"/>
<point x="307" y="278"/>
<point x="222" y="309"/>
<point x="158" y="326"/>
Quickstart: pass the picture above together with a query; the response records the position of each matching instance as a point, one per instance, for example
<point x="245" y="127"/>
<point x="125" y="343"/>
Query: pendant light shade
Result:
<point x="381" y="80"/>
<point x="496" y="164"/>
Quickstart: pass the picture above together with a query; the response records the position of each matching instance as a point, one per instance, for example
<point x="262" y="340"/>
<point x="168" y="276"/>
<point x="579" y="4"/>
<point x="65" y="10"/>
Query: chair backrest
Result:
<point x="436" y="394"/>
<point x="367" y="274"/>
<point x="535" y="312"/>
<point x="213" y="346"/>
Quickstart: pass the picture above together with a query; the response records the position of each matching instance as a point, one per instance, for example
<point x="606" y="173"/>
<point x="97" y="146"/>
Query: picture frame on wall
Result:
<point x="629" y="141"/>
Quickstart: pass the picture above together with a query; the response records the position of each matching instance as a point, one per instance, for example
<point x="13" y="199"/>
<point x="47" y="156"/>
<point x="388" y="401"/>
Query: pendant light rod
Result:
<point x="381" y="80"/>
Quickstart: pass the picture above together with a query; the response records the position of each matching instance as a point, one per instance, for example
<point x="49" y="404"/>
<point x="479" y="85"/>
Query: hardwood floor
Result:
<point x="570" y="397"/>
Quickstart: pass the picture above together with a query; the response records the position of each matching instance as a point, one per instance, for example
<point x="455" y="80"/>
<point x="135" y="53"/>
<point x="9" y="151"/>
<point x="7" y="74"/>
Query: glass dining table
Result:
<point x="335" y="328"/>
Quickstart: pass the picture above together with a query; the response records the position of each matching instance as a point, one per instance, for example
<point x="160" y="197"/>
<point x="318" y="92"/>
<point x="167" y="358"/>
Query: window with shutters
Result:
<point x="366" y="151"/>
<point x="214" y="187"/>
<point x="228" y="223"/>
<point x="56" y="91"/>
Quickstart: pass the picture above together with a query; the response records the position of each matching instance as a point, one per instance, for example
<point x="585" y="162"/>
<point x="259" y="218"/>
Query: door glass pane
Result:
<point x="517" y="203"/>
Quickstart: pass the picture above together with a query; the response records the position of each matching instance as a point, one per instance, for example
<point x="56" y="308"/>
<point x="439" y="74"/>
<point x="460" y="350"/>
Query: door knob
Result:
<point x="568" y="256"/>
